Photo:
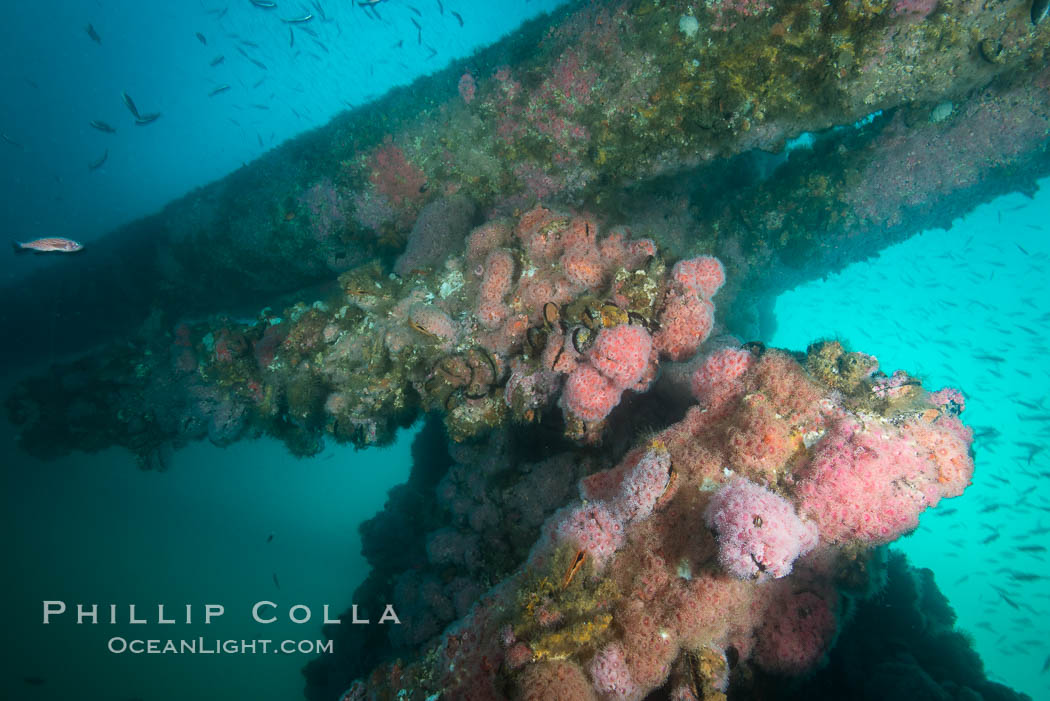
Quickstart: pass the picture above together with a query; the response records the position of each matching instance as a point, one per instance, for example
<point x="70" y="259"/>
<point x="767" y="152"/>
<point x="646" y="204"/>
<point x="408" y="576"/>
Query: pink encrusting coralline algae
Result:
<point x="735" y="532"/>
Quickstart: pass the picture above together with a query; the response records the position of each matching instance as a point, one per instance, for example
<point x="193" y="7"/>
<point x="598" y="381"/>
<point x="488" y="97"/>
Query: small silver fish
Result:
<point x="9" y="140"/>
<point x="49" y="245"/>
<point x="147" y="119"/>
<point x="130" y="104"/>
<point x="102" y="126"/>
<point x="96" y="164"/>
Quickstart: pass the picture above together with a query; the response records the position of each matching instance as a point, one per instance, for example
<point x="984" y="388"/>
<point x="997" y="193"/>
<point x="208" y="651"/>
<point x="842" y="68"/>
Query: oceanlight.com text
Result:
<point x="214" y="646"/>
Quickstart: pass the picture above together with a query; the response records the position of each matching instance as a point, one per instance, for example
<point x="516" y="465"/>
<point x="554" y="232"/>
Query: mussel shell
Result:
<point x="638" y="319"/>
<point x="431" y="384"/>
<point x="551" y="313"/>
<point x="582" y="339"/>
<point x="455" y="369"/>
<point x="612" y="315"/>
<point x="480" y="358"/>
<point x="591" y="318"/>
<point x="557" y="356"/>
<point x="537" y="338"/>
<point x="990" y="50"/>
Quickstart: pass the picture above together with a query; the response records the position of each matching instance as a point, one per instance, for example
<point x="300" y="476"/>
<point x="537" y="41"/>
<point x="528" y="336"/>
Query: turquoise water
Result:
<point x="933" y="306"/>
<point x="94" y="529"/>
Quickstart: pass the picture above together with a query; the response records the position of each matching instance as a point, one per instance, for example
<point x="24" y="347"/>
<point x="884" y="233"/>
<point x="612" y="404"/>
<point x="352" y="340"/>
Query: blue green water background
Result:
<point x="96" y="529"/>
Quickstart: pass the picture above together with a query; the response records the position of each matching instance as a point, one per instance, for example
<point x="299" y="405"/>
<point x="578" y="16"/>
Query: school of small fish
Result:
<point x="315" y="38"/>
<point x="329" y="20"/>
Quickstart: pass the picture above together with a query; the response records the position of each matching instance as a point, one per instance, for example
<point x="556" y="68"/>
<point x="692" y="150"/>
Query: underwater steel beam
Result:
<point x="569" y="110"/>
